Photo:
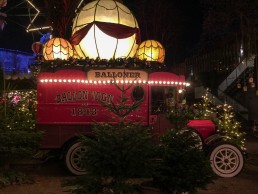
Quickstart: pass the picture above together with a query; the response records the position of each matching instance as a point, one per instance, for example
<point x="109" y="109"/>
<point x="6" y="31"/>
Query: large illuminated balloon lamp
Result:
<point x="151" y="50"/>
<point x="57" y="48"/>
<point x="105" y="29"/>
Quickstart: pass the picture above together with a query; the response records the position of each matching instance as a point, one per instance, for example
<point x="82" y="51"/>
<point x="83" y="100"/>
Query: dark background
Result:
<point x="176" y="24"/>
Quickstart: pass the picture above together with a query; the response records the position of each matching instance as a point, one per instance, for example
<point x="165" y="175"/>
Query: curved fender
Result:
<point x="211" y="141"/>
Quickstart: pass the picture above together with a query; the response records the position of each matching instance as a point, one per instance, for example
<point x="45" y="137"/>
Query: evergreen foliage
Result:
<point x="11" y="176"/>
<point x="229" y="127"/>
<point x="182" y="167"/>
<point x="180" y="116"/>
<point x="117" y="154"/>
<point x="224" y="117"/>
<point x="122" y="109"/>
<point x="18" y="136"/>
<point x="88" y="63"/>
<point x="206" y="109"/>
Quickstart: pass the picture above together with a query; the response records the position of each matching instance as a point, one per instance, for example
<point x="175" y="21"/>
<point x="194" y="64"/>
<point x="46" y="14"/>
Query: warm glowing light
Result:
<point x="151" y="50"/>
<point x="111" y="81"/>
<point x="97" y="43"/>
<point x="57" y="48"/>
<point x="29" y="29"/>
<point x="39" y="28"/>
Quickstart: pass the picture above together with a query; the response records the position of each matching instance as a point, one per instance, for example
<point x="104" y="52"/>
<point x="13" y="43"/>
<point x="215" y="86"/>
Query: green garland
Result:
<point x="86" y="64"/>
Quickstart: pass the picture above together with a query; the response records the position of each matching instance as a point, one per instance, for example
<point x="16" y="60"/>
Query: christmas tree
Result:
<point x="229" y="127"/>
<point x="18" y="134"/>
<point x="223" y="116"/>
<point x="206" y="109"/>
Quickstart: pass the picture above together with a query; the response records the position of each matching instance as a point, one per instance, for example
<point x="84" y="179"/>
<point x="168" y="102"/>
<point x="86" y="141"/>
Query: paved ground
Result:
<point x="49" y="176"/>
<point x="246" y="182"/>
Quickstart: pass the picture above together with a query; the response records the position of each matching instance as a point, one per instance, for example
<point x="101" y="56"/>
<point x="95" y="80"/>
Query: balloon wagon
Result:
<point x="81" y="74"/>
<point x="69" y="103"/>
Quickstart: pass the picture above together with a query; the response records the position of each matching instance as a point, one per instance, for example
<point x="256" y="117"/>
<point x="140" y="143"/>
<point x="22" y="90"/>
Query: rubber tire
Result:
<point x="72" y="158"/>
<point x="229" y="157"/>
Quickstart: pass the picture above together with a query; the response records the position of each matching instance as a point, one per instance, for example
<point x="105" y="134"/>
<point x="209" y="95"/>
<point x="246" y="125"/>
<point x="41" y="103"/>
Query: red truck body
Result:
<point x="68" y="101"/>
<point x="205" y="127"/>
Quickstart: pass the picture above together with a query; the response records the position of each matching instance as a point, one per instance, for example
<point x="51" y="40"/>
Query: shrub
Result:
<point x="117" y="154"/>
<point x="180" y="116"/>
<point x="182" y="167"/>
<point x="18" y="136"/>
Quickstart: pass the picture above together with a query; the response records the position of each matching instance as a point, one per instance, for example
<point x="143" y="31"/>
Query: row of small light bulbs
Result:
<point x="111" y="81"/>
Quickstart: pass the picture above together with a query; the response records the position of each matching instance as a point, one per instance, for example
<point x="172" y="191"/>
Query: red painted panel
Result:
<point x="166" y="76"/>
<point x="205" y="127"/>
<point x="78" y="103"/>
<point x="68" y="104"/>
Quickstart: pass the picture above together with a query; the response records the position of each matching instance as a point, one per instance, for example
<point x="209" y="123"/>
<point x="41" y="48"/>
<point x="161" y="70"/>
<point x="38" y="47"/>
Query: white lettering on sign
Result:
<point x="117" y="74"/>
<point x="83" y="96"/>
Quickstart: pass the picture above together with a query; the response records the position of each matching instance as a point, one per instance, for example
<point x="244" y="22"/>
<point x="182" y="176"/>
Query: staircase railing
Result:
<point x="240" y="109"/>
<point x="221" y="99"/>
<point x="235" y="74"/>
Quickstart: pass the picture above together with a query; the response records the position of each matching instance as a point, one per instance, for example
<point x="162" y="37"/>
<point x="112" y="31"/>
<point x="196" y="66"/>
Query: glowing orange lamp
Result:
<point x="151" y="50"/>
<point x="57" y="48"/>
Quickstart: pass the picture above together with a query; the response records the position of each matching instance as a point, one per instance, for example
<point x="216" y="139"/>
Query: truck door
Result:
<point x="162" y="101"/>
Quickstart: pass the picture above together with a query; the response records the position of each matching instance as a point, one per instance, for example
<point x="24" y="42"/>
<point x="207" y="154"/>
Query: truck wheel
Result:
<point x="226" y="160"/>
<point x="73" y="158"/>
<point x="197" y="136"/>
<point x="198" y="139"/>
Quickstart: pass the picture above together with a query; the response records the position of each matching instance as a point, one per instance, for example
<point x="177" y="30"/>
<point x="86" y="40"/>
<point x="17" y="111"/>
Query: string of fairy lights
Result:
<point x="24" y="103"/>
<point x="112" y="81"/>
<point x="224" y="115"/>
<point x="29" y="27"/>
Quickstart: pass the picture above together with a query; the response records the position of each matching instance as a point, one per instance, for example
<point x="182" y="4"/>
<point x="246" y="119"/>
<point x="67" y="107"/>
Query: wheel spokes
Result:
<point x="226" y="160"/>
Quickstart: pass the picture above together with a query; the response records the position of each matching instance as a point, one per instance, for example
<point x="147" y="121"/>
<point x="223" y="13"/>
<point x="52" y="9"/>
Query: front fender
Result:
<point x="213" y="140"/>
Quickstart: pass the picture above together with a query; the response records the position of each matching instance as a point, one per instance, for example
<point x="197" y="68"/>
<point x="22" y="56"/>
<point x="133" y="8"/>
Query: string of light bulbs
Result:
<point x="29" y="28"/>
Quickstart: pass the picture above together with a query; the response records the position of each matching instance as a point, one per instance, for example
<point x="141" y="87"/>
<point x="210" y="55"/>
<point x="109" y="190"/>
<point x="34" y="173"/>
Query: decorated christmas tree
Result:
<point x="206" y="108"/>
<point x="223" y="116"/>
<point x="18" y="134"/>
<point x="229" y="127"/>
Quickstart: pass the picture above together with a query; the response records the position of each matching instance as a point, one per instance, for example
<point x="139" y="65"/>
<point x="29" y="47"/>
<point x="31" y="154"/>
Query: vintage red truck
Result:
<point x="68" y="104"/>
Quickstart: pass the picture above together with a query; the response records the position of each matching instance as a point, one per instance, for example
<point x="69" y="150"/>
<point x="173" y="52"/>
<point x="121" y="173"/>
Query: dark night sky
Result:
<point x="14" y="35"/>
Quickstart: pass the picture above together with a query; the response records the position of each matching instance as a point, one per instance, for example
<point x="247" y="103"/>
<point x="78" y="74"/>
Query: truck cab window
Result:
<point x="162" y="99"/>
